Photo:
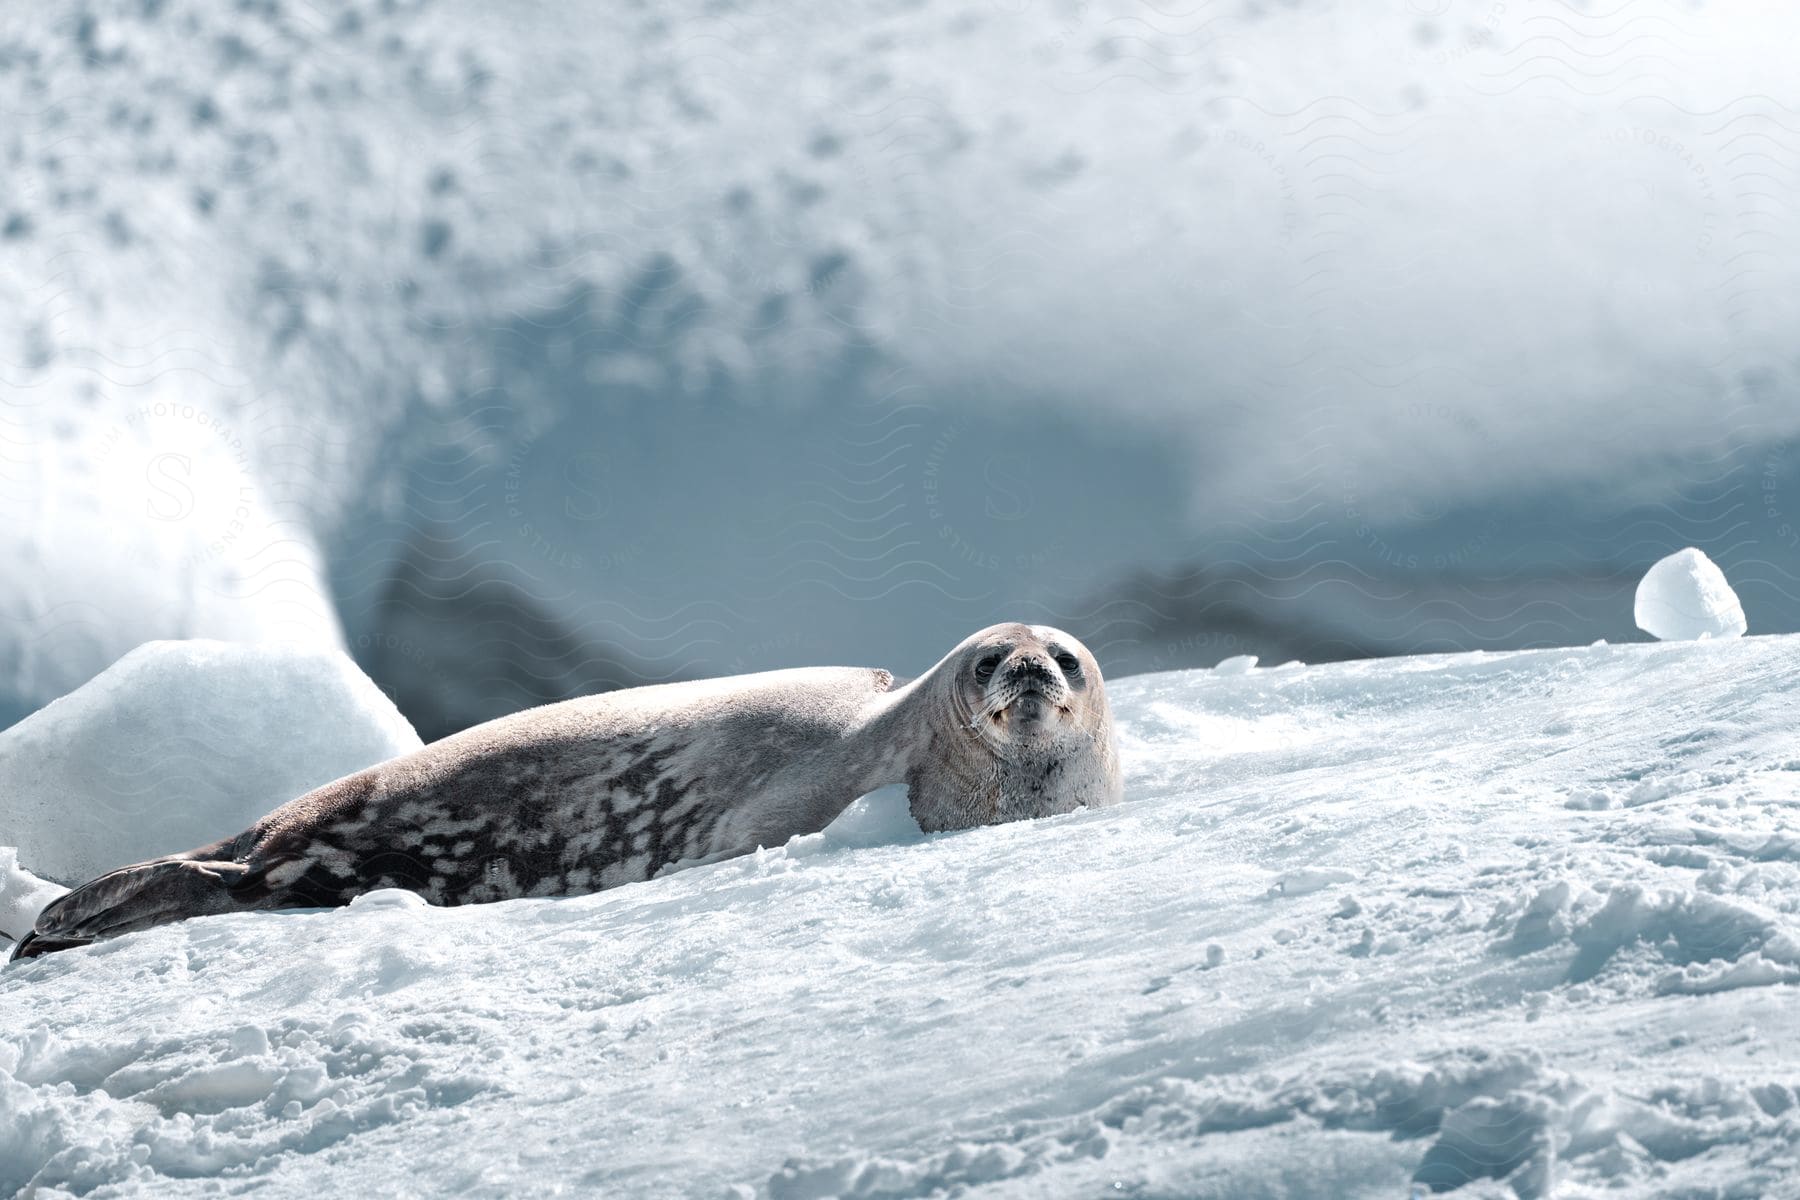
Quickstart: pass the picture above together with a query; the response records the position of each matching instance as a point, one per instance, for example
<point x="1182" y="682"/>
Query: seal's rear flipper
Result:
<point x="32" y="945"/>
<point x="133" y="898"/>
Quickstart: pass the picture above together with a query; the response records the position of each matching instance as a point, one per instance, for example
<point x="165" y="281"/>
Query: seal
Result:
<point x="598" y="791"/>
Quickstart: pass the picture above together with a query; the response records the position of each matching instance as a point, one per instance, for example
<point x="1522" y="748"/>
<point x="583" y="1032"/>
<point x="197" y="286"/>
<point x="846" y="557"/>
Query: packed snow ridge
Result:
<point x="1516" y="924"/>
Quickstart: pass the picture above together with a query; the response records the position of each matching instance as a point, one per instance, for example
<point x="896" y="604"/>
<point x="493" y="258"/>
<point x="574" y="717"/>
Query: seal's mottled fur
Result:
<point x="603" y="790"/>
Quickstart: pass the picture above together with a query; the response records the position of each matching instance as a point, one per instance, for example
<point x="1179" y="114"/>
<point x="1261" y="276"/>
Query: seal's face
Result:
<point x="1026" y="684"/>
<point x="1029" y="732"/>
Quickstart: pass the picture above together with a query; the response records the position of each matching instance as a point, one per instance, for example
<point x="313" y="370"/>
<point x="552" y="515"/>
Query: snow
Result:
<point x="1374" y="951"/>
<point x="175" y="745"/>
<point x="1685" y="597"/>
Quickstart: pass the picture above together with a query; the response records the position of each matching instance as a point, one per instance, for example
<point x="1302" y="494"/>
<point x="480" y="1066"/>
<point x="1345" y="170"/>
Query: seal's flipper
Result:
<point x="31" y="945"/>
<point x="133" y="898"/>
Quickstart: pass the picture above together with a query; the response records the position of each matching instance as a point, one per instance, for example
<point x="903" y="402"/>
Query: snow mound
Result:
<point x="178" y="744"/>
<point x="22" y="894"/>
<point x="1377" y="953"/>
<point x="1685" y="598"/>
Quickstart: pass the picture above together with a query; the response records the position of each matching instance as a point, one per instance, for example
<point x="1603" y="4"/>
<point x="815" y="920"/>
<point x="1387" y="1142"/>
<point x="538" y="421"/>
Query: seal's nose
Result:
<point x="1026" y="667"/>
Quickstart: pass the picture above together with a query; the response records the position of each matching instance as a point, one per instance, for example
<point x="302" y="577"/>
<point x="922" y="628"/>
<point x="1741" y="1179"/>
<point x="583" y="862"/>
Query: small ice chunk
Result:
<point x="881" y="818"/>
<point x="1685" y="598"/>
<point x="397" y="898"/>
<point x="1237" y="664"/>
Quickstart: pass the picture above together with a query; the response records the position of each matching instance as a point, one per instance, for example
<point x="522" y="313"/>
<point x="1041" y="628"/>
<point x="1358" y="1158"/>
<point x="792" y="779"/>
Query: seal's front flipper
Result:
<point x="133" y="898"/>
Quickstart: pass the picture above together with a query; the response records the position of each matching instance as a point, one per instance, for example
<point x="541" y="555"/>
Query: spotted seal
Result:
<point x="594" y="792"/>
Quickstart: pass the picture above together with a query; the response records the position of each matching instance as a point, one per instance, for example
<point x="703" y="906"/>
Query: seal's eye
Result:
<point x="1069" y="663"/>
<point x="984" y="668"/>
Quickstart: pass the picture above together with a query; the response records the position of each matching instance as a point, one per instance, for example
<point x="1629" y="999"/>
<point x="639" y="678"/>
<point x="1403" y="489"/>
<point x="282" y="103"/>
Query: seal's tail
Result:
<point x="136" y="897"/>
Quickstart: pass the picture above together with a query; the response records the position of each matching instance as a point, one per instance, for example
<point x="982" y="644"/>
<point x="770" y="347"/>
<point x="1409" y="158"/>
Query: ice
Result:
<point x="1377" y="954"/>
<point x="22" y="894"/>
<point x="881" y="817"/>
<point x="175" y="745"/>
<point x="667" y="292"/>
<point x="165" y="534"/>
<point x="1685" y="597"/>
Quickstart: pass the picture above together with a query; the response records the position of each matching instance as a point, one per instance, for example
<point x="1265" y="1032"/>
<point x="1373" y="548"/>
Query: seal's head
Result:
<point x="1023" y="730"/>
<point x="1024" y="685"/>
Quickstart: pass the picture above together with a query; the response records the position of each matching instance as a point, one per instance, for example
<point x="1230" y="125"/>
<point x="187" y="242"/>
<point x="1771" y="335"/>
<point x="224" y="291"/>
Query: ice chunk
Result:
<point x="880" y="818"/>
<point x="22" y="895"/>
<point x="1685" y="598"/>
<point x="1237" y="664"/>
<point x="180" y="743"/>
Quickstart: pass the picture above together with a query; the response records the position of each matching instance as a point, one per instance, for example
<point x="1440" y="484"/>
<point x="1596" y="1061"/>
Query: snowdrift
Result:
<point x="1519" y="923"/>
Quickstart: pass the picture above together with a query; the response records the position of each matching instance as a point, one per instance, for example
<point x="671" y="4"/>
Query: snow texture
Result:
<point x="1685" y="598"/>
<point x="1527" y="924"/>
<point x="175" y="745"/>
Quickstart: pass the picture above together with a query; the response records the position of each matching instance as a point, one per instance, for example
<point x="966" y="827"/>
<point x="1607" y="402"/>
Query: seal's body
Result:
<point x="603" y="790"/>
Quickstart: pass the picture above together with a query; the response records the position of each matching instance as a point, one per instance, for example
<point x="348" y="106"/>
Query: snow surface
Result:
<point x="175" y="745"/>
<point x="1360" y="929"/>
<point x="1685" y="597"/>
